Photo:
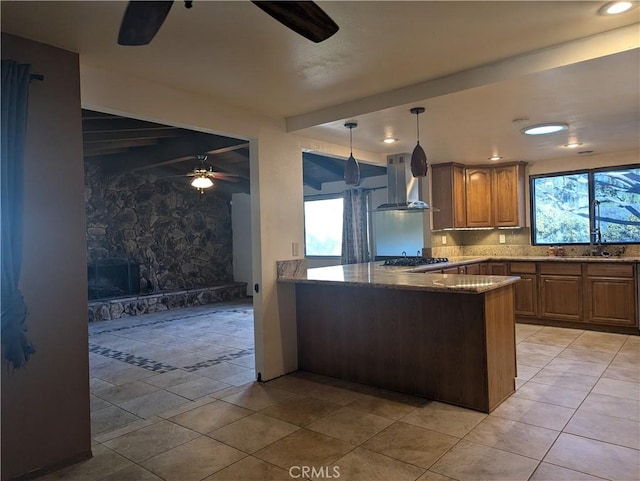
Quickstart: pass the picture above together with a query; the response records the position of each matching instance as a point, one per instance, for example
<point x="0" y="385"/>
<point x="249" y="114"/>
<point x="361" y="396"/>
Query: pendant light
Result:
<point x="419" y="162"/>
<point x="351" y="168"/>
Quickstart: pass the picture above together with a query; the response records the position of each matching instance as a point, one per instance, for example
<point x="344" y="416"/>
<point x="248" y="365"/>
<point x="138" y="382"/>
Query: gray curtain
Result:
<point x="355" y="234"/>
<point x="16" y="348"/>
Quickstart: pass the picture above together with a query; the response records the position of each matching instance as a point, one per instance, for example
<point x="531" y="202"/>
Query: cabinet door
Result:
<point x="479" y="209"/>
<point x="459" y="197"/>
<point x="450" y="270"/>
<point x="448" y="194"/>
<point x="561" y="297"/>
<point x="497" y="268"/>
<point x="507" y="184"/>
<point x="473" y="269"/>
<point x="526" y="290"/>
<point x="526" y="294"/>
<point x="610" y="300"/>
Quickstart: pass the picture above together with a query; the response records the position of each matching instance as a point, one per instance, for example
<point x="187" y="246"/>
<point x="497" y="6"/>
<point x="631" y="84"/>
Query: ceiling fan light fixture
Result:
<point x="544" y="129"/>
<point x="419" y="163"/>
<point x="351" y="168"/>
<point x="202" y="182"/>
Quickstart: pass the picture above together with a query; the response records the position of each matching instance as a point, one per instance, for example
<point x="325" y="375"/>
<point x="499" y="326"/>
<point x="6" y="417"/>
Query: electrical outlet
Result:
<point x="294" y="249"/>
<point x="444" y="239"/>
<point x="502" y="238"/>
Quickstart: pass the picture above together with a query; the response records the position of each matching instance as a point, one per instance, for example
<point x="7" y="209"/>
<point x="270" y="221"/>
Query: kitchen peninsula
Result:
<point x="446" y="337"/>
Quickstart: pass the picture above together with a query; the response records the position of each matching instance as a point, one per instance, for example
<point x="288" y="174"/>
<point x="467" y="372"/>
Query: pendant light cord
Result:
<point x="418" y="126"/>
<point x="351" y="140"/>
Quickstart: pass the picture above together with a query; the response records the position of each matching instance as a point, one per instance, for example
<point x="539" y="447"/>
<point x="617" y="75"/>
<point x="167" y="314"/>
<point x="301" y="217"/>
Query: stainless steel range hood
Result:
<point x="403" y="189"/>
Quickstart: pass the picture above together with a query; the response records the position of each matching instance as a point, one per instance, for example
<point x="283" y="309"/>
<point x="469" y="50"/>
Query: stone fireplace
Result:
<point x="148" y="236"/>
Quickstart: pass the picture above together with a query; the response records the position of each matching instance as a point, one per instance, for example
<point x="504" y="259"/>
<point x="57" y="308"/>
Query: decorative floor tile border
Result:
<point x="143" y="362"/>
<point x="212" y="362"/>
<point x="160" y="367"/>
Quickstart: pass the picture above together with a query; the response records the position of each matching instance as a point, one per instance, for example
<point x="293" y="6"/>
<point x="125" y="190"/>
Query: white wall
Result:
<point x="241" y="227"/>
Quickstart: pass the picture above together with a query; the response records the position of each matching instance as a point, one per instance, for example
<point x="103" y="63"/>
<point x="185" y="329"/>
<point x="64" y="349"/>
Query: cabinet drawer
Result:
<point x="561" y="269"/>
<point x="522" y="267"/>
<point x="610" y="270"/>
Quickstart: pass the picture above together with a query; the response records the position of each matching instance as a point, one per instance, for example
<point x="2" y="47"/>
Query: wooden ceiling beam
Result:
<point x="115" y="123"/>
<point x="311" y="182"/>
<point x="327" y="165"/>
<point x="171" y="151"/>
<point x="117" y="144"/>
<point x="90" y="137"/>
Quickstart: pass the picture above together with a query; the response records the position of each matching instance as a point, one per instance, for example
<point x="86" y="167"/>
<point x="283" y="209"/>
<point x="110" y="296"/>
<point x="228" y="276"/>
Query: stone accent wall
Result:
<point x="182" y="239"/>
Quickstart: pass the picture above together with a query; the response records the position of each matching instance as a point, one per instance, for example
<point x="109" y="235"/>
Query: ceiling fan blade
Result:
<point x="227" y="177"/>
<point x="141" y="21"/>
<point x="304" y="18"/>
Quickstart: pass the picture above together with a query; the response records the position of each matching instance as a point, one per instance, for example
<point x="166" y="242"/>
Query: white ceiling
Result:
<point x="234" y="51"/>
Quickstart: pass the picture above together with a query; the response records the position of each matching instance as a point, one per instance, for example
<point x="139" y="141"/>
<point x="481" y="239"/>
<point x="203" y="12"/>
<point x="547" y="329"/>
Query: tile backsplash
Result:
<point x="517" y="242"/>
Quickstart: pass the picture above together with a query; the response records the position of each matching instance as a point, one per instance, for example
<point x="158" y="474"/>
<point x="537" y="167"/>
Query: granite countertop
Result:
<point x="459" y="261"/>
<point x="372" y="274"/>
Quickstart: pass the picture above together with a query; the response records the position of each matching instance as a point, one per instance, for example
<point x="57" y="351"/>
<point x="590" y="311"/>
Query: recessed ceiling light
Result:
<point x="585" y="152"/>
<point x="613" y="8"/>
<point x="573" y="145"/>
<point x="495" y="157"/>
<point x="389" y="140"/>
<point x="543" y="129"/>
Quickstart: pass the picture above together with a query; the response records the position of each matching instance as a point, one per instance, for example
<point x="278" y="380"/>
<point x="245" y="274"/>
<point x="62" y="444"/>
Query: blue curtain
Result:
<point x="355" y="232"/>
<point x="16" y="348"/>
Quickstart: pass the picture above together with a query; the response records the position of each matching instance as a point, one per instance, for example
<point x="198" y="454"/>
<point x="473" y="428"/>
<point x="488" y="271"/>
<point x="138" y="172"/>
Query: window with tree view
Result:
<point x="562" y="206"/>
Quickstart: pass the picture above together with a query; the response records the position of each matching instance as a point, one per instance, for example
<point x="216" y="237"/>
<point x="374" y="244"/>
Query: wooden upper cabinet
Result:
<point x="508" y="195"/>
<point x="479" y="197"/>
<point x="448" y="195"/>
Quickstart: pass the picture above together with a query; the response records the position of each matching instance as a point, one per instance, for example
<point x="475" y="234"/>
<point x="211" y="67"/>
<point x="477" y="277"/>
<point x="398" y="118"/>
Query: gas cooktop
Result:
<point x="414" y="261"/>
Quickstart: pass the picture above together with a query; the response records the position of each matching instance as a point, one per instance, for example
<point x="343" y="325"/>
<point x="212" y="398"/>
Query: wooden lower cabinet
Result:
<point x="526" y="290"/>
<point x="610" y="295"/>
<point x="450" y="270"/>
<point x="497" y="268"/>
<point x="561" y="297"/>
<point x="471" y="269"/>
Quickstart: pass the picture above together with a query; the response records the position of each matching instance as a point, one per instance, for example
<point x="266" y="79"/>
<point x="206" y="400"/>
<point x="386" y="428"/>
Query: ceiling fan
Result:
<point x="204" y="175"/>
<point x="143" y="19"/>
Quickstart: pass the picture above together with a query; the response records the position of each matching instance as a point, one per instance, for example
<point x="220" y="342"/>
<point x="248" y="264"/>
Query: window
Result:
<point x="566" y="207"/>
<point x="323" y="227"/>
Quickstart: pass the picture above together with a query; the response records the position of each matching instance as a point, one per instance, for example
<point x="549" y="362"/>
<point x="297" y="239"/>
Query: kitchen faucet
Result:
<point x="595" y="237"/>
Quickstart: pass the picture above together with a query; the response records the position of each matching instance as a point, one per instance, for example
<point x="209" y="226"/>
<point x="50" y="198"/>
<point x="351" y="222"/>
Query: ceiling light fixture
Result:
<point x="419" y="161"/>
<point x="495" y="157"/>
<point x="544" y="129"/>
<point x="573" y="145"/>
<point x="389" y="140"/>
<point x="351" y="168"/>
<point x="614" y="8"/>
<point x="202" y="182"/>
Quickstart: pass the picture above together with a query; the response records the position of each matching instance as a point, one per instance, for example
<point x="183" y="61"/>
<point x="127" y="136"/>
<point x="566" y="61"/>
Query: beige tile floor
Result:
<point x="575" y="414"/>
